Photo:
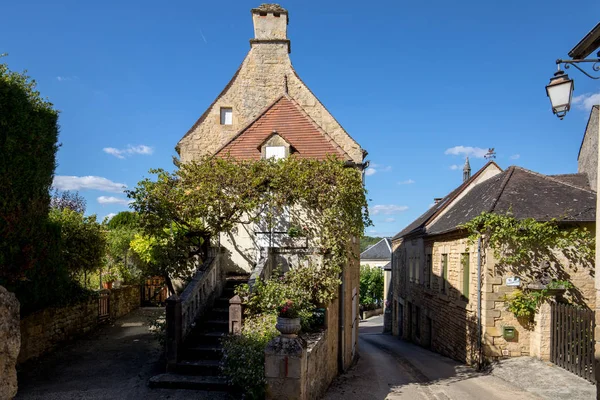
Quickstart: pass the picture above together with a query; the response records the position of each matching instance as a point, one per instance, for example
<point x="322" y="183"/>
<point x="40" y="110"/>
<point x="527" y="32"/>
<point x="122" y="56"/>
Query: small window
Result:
<point x="276" y="152"/>
<point x="466" y="260"/>
<point x="418" y="324"/>
<point x="444" y="273"/>
<point x="226" y="116"/>
<point x="429" y="275"/>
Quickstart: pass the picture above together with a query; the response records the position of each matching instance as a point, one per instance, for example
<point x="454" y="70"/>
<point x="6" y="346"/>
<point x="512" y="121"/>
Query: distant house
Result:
<point x="434" y="268"/>
<point x="380" y="255"/>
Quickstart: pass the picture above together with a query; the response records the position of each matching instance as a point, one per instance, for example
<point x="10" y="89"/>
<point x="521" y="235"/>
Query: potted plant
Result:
<point x="108" y="277"/>
<point x="288" y="319"/>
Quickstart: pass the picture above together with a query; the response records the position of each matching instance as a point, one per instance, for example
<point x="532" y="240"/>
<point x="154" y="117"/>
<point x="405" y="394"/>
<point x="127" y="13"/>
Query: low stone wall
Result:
<point x="372" y="313"/>
<point x="9" y="344"/>
<point x="320" y="370"/>
<point x="44" y="330"/>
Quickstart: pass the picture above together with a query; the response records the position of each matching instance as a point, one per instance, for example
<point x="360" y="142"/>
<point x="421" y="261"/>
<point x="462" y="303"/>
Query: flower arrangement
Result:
<point x="288" y="309"/>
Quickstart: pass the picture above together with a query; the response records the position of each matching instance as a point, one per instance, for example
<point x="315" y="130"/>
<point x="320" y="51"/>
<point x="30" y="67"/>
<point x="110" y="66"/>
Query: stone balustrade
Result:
<point x="197" y="297"/>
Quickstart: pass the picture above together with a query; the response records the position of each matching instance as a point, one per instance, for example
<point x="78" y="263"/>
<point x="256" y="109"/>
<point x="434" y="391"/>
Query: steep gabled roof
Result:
<point x="523" y="194"/>
<point x="381" y="250"/>
<point x="285" y="117"/>
<point x="418" y="225"/>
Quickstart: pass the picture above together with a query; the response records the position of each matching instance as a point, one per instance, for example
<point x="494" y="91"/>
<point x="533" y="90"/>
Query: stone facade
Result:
<point x="265" y="74"/>
<point x="43" y="331"/>
<point x="435" y="313"/>
<point x="587" y="161"/>
<point x="9" y="344"/>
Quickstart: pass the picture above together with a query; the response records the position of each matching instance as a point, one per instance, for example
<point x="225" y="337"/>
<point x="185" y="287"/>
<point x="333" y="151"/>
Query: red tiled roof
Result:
<point x="290" y="122"/>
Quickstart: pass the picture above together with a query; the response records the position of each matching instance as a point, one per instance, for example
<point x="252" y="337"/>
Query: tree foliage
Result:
<point x="371" y="286"/>
<point x="184" y="209"/>
<point x="367" y="241"/>
<point x="66" y="199"/>
<point x="124" y="219"/>
<point x="28" y="144"/>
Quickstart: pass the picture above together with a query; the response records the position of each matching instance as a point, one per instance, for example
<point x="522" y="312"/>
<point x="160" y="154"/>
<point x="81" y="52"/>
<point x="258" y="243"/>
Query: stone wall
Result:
<point x="9" y="344"/>
<point x="43" y="331"/>
<point x="321" y="366"/>
<point x="587" y="161"/>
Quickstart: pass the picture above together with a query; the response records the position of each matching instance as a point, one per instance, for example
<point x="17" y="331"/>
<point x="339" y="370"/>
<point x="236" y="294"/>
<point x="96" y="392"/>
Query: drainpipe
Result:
<point x="341" y="332"/>
<point x="479" y="347"/>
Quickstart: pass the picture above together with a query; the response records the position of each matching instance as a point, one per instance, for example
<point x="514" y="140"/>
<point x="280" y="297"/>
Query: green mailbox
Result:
<point x="509" y="332"/>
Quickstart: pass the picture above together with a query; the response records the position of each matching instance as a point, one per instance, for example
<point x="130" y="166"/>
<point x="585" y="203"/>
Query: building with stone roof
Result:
<point x="434" y="267"/>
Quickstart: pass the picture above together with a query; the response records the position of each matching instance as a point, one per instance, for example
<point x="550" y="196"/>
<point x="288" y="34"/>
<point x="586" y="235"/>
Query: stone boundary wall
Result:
<point x="373" y="313"/>
<point x="44" y="330"/>
<point x="319" y="368"/>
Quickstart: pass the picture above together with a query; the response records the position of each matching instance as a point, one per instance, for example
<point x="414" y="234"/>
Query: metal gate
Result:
<point x="154" y="292"/>
<point x="103" y="305"/>
<point x="572" y="340"/>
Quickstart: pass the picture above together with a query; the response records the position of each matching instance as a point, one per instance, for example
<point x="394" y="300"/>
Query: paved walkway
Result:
<point x="115" y="362"/>
<point x="389" y="368"/>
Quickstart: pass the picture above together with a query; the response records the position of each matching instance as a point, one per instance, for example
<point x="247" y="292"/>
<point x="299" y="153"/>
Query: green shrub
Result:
<point x="244" y="355"/>
<point x="371" y="286"/>
<point x="28" y="144"/>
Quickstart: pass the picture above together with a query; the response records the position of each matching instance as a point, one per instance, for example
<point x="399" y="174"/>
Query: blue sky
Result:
<point x="410" y="81"/>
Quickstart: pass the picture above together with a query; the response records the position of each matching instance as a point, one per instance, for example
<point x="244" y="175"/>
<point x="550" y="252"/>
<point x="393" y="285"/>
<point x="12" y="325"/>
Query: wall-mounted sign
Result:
<point x="513" y="281"/>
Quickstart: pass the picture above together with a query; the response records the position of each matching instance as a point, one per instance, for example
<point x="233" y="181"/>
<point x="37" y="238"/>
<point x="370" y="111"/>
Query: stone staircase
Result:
<point x="199" y="367"/>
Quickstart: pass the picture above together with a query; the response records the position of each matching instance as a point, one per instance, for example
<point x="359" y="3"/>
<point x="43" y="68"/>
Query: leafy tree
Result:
<point x="371" y="286"/>
<point x="127" y="219"/>
<point x="66" y="199"/>
<point x="28" y="144"/>
<point x="83" y="241"/>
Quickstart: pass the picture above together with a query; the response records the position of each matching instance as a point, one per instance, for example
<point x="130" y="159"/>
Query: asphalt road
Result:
<point x="389" y="368"/>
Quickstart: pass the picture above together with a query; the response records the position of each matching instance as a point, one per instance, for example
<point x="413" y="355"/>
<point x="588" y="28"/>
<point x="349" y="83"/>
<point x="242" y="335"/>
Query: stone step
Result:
<point x="205" y="338"/>
<point x="203" y="352"/>
<point x="222" y="302"/>
<point x="199" y="367"/>
<point x="194" y="382"/>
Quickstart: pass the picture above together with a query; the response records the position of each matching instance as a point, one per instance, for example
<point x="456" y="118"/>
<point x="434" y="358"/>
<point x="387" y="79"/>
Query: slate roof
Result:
<point x="525" y="194"/>
<point x="418" y="225"/>
<point x="579" y="180"/>
<point x="291" y="122"/>
<point x="381" y="250"/>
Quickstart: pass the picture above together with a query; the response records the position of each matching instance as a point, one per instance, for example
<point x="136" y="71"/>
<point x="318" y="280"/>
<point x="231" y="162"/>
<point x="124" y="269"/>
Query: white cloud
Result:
<point x="387" y="209"/>
<point x="515" y="156"/>
<point x="374" y="168"/>
<point x="406" y="182"/>
<point x="129" y="150"/>
<point x="454" y="167"/>
<point x="112" y="200"/>
<point x="390" y="219"/>
<point x="370" y="171"/>
<point x="66" y="78"/>
<point x="63" y="182"/>
<point x="586" y="101"/>
<point x="476" y="152"/>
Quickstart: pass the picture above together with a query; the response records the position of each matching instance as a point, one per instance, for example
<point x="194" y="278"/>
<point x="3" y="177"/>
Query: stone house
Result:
<point x="434" y="268"/>
<point x="266" y="111"/>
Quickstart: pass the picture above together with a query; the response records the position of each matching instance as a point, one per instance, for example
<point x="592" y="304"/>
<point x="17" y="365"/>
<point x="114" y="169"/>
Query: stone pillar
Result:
<point x="235" y="315"/>
<point x="285" y="368"/>
<point x="597" y="276"/>
<point x="540" y="338"/>
<point x="174" y="334"/>
<point x="10" y="345"/>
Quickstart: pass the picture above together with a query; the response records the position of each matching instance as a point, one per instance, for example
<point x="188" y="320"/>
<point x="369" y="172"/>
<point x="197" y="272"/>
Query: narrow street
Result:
<point x="389" y="368"/>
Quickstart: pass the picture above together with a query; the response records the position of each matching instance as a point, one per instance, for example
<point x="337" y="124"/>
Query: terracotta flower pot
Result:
<point x="288" y="326"/>
<point x="107" y="285"/>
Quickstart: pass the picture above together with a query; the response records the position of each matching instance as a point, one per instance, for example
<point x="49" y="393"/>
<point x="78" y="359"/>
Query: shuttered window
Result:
<point x="466" y="259"/>
<point x="444" y="286"/>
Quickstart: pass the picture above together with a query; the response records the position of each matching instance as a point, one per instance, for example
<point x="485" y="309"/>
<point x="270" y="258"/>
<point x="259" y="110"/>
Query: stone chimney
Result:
<point x="270" y="24"/>
<point x="466" y="171"/>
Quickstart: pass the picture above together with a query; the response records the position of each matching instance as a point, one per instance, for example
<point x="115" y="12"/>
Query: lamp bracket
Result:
<point x="568" y="63"/>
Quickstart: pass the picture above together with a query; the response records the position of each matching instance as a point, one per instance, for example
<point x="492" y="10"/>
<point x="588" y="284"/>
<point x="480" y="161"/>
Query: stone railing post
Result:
<point x="285" y="368"/>
<point x="235" y="315"/>
<point x="174" y="331"/>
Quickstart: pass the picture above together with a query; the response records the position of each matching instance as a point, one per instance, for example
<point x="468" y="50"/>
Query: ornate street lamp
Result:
<point x="560" y="92"/>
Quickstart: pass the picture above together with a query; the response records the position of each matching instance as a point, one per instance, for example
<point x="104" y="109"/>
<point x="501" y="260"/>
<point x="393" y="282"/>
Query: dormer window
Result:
<point x="226" y="116"/>
<point x="276" y="152"/>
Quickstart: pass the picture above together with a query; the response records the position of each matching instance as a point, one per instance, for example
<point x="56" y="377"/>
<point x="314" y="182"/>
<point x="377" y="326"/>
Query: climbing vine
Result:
<point x="536" y="251"/>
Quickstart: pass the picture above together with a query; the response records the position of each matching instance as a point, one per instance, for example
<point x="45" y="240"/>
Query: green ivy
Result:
<point x="525" y="303"/>
<point x="371" y="286"/>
